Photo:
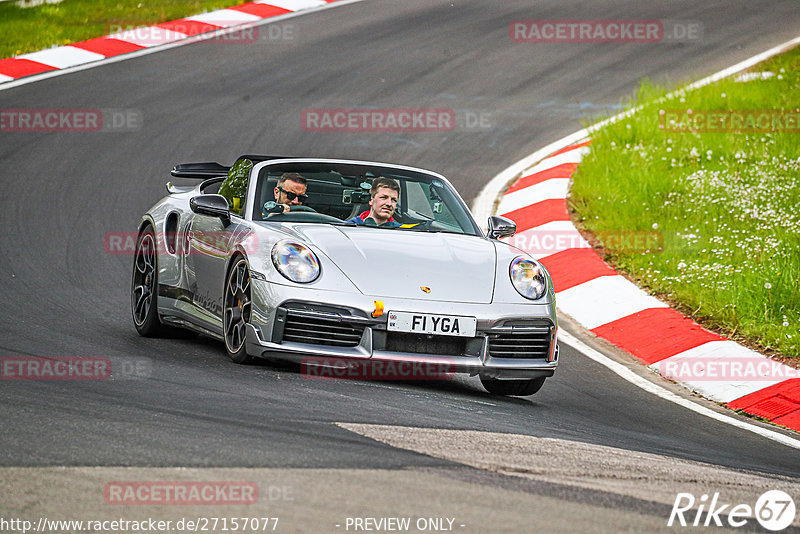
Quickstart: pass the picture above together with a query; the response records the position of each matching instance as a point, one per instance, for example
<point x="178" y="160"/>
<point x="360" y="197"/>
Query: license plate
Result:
<point x="427" y="323"/>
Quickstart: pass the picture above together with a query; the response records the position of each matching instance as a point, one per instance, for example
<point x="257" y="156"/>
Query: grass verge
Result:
<point x="24" y="30"/>
<point x="723" y="199"/>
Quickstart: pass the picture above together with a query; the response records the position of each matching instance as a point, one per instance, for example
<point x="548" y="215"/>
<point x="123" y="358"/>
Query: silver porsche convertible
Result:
<point x="319" y="283"/>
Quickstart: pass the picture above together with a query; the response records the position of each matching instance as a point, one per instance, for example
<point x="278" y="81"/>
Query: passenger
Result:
<point x="384" y="193"/>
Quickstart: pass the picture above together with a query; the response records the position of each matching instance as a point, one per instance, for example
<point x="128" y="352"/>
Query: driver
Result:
<point x="384" y="193"/>
<point x="290" y="190"/>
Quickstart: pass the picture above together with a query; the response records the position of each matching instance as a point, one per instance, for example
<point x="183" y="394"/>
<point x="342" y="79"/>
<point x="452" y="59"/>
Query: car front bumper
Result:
<point x="329" y="329"/>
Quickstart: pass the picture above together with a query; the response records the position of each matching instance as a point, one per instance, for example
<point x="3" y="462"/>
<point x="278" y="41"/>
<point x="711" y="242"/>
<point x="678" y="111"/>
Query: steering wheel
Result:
<point x="300" y="207"/>
<point x="273" y="208"/>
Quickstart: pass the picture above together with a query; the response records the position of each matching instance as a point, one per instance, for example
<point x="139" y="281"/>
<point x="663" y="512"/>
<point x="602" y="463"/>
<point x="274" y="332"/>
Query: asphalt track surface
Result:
<point x="63" y="295"/>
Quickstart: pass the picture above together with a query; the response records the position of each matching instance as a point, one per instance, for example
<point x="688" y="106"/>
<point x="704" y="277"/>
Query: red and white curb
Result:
<point x="611" y="307"/>
<point x="126" y="42"/>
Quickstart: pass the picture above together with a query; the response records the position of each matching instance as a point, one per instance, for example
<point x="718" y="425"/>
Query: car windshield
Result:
<point x="339" y="193"/>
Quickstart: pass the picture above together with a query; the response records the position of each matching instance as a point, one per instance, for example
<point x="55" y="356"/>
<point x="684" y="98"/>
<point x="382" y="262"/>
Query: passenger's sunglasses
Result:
<point x="291" y="196"/>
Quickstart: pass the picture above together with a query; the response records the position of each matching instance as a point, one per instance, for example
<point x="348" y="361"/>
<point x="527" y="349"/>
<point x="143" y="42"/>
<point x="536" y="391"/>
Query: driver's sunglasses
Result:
<point x="291" y="196"/>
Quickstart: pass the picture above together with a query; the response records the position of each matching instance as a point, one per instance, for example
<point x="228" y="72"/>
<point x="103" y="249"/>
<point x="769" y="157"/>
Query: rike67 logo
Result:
<point x="774" y="510"/>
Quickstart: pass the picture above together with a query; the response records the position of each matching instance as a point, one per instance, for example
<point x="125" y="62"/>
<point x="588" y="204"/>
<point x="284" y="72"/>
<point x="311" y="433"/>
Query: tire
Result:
<point x="237" y="307"/>
<point x="513" y="388"/>
<point x="144" y="286"/>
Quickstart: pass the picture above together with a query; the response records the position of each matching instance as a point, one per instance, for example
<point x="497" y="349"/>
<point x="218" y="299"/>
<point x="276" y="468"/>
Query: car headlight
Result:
<point x="528" y="278"/>
<point x="295" y="261"/>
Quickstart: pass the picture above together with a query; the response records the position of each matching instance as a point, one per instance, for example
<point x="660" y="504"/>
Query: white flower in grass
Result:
<point x="694" y="153"/>
<point x="655" y="226"/>
<point x="767" y="286"/>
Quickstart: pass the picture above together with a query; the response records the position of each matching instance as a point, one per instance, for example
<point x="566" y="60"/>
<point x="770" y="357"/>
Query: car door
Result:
<point x="211" y="243"/>
<point x="208" y="251"/>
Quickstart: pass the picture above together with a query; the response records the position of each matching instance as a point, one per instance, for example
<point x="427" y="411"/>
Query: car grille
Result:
<point x="426" y="344"/>
<point x="321" y="331"/>
<point x="520" y="344"/>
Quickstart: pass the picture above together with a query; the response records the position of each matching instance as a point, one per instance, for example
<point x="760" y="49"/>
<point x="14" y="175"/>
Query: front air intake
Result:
<point x="528" y="343"/>
<point x="321" y="331"/>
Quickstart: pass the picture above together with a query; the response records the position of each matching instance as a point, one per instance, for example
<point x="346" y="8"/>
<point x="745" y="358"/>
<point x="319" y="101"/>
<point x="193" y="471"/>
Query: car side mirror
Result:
<point x="213" y="206"/>
<point x="500" y="227"/>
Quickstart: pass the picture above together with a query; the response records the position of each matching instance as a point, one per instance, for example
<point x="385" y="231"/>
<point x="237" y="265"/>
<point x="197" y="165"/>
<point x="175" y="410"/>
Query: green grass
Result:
<point x="727" y="206"/>
<point x="25" y="30"/>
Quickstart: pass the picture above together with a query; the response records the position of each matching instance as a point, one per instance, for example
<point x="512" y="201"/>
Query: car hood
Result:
<point x="398" y="263"/>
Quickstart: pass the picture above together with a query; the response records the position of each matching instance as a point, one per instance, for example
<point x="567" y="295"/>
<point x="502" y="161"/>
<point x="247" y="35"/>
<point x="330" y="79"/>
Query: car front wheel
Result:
<point x="514" y="388"/>
<point x="237" y="307"/>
